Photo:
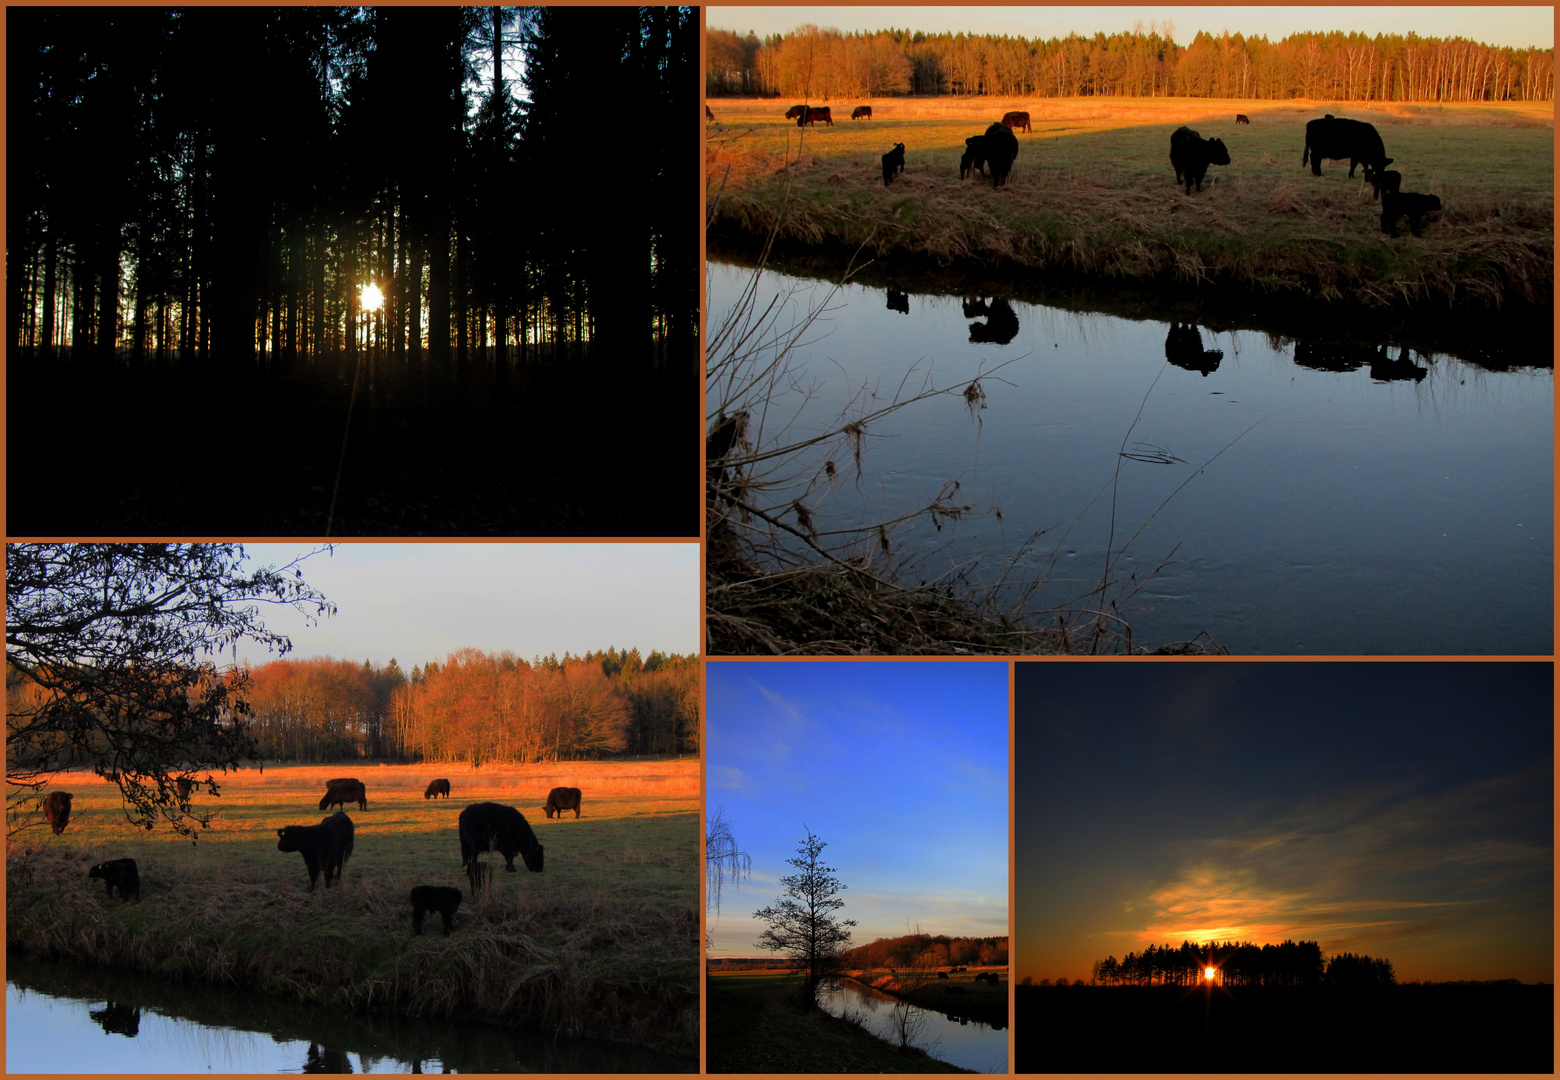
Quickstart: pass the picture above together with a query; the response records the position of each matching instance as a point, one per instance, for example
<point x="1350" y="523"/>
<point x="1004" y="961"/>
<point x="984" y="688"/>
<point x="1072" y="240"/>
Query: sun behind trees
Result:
<point x="200" y="199"/>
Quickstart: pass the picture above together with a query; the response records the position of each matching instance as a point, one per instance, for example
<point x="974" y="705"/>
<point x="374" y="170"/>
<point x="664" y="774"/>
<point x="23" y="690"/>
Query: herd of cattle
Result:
<point x="1331" y="137"/>
<point x="326" y="847"/>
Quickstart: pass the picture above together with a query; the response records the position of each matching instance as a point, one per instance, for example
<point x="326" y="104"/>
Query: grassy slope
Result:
<point x="975" y="1000"/>
<point x="754" y="1026"/>
<point x="603" y="942"/>
<point x="1093" y="191"/>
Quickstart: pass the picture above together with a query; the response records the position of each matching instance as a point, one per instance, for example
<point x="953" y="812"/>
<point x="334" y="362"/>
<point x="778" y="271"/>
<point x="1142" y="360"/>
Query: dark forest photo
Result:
<point x="352" y="271"/>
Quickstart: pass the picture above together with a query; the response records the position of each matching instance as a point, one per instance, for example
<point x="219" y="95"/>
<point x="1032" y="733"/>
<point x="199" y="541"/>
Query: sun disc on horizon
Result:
<point x="1208" y="973"/>
<point x="372" y="298"/>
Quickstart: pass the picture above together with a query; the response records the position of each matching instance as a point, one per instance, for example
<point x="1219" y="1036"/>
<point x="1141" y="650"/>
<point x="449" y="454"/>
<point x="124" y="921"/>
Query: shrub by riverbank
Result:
<point x="603" y="943"/>
<point x="1092" y="193"/>
<point x="756" y="1024"/>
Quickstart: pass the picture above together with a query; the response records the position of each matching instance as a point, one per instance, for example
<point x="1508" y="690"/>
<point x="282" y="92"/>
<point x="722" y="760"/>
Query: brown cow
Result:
<point x="1242" y="118"/>
<point x="1016" y="120"/>
<point x="794" y="111"/>
<point x="184" y="785"/>
<point x="813" y="115"/>
<point x="343" y="792"/>
<point x="861" y="112"/>
<point x="436" y="788"/>
<point x="56" y="810"/>
<point x="561" y="799"/>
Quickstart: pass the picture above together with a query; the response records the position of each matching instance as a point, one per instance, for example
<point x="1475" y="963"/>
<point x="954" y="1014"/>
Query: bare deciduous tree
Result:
<point x="802" y="925"/>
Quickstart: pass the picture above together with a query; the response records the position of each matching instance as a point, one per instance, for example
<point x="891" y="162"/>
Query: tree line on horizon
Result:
<point x="215" y="185"/>
<point x="1292" y="963"/>
<point x="928" y="951"/>
<point x="825" y="64"/>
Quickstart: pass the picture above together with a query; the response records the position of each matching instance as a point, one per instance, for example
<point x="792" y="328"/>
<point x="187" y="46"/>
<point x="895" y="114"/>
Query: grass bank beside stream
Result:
<point x="959" y="994"/>
<point x="603" y="943"/>
<point x="1093" y="194"/>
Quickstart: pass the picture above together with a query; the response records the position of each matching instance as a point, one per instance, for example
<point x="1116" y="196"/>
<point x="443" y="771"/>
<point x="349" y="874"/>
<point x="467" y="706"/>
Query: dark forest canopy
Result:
<point x="216" y="185"/>
<point x="822" y="65"/>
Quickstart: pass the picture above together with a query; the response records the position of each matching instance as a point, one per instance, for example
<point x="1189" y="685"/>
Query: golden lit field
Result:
<point x="1092" y="192"/>
<point x="603" y="942"/>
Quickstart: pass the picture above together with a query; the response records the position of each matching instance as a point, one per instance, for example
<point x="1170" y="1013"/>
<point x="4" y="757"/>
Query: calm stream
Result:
<point x="1283" y="496"/>
<point x="73" y="1019"/>
<point x="969" y="1044"/>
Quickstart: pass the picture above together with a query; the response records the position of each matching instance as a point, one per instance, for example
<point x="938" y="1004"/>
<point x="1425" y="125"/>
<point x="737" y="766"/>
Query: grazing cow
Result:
<point x="480" y="875"/>
<point x="1390" y="181"/>
<point x="1410" y="204"/>
<point x="1016" y="120"/>
<point x="185" y="785"/>
<point x="1242" y="118"/>
<point x="341" y="825"/>
<point x="426" y="898"/>
<point x="893" y="162"/>
<point x="120" y="874"/>
<point x="319" y="846"/>
<point x="490" y="826"/>
<point x="861" y="112"/>
<point x="1334" y="138"/>
<point x="996" y="148"/>
<point x="1184" y="349"/>
<point x="341" y="792"/>
<point x="707" y="114"/>
<point x="436" y="788"/>
<point x="813" y="115"/>
<point x="898" y="301"/>
<point x="1001" y="325"/>
<point x="1191" y="155"/>
<point x="987" y="976"/>
<point x="942" y="974"/>
<point x="56" y="810"/>
<point x="560" y="799"/>
<point x="342" y="780"/>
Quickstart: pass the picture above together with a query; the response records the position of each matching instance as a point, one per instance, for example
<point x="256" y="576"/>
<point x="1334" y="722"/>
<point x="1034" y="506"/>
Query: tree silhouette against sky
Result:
<point x="802" y="925"/>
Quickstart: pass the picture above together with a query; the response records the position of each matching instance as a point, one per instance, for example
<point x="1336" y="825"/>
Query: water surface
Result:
<point x="967" y="1043"/>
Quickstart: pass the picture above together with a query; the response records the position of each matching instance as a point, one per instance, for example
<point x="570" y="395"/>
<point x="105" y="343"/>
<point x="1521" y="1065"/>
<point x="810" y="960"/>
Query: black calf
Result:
<point x="426" y="898"/>
<point x="893" y="162"/>
<point x="1408" y="204"/>
<point x="120" y="873"/>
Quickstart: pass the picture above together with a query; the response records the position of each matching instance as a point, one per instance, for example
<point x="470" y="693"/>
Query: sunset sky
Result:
<point x="1519" y="27"/>
<point x="1404" y="810"/>
<point x="902" y="768"/>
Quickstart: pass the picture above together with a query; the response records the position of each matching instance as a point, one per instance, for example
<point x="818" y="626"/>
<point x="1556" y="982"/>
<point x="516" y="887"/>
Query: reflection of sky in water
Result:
<point x="1350" y="515"/>
<point x="971" y="1046"/>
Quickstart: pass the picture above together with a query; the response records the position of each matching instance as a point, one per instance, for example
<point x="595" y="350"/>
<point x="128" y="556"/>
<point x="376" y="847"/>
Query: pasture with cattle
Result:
<point x="604" y="942"/>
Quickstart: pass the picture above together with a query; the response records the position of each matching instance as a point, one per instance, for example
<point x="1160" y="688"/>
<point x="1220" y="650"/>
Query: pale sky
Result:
<point x="1520" y="27"/>
<point x="420" y="602"/>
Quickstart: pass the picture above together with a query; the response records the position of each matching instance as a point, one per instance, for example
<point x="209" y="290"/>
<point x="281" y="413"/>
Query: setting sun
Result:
<point x="372" y="298"/>
<point x="1208" y="973"/>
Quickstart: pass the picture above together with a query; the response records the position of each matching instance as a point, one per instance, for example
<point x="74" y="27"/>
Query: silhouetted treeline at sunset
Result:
<point x="825" y="64"/>
<point x="477" y="707"/>
<point x="1292" y="963"/>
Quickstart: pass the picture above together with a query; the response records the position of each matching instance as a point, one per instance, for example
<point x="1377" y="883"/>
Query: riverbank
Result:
<point x="958" y="994"/>
<point x="1092" y="194"/>
<point x="604" y="943"/>
<point x="755" y="1025"/>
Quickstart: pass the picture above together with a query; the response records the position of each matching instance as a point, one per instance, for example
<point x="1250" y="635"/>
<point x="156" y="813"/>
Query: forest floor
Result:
<point x="603" y="943"/>
<point x="1093" y="195"/>
<point x="159" y="451"/>
<point x="754" y="1024"/>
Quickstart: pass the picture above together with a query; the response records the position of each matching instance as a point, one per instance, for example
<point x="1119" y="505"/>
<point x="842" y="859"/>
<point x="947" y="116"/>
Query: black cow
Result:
<point x="560" y="799"/>
<point x="997" y="148"/>
<point x="942" y="974"/>
<point x="987" y="976"/>
<point x="120" y="874"/>
<point x="815" y="114"/>
<point x="861" y="112"/>
<point x="1191" y="155"/>
<point x="794" y="111"/>
<point x="426" y="898"/>
<point x="56" y="810"/>
<point x="1408" y="204"/>
<point x="319" y="846"/>
<point x="341" y="792"/>
<point x="893" y="162"/>
<point x="342" y="780"/>
<point x="1016" y="120"/>
<point x="436" y="788"/>
<point x="1242" y="118"/>
<point x="1389" y="181"/>
<point x="707" y="114"/>
<point x="1184" y="349"/>
<point x="1335" y="138"/>
<point x="342" y="826"/>
<point x="490" y="826"/>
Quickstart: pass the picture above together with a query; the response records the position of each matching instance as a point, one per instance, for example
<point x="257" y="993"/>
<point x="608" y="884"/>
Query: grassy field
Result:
<point x="1093" y="193"/>
<point x="604" y="942"/>
<point x="754" y="1025"/>
<point x="974" y="1000"/>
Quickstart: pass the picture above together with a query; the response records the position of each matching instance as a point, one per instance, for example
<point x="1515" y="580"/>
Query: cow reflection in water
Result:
<point x="1184" y="349"/>
<point x="898" y="301"/>
<point x="117" y="1019"/>
<point x="321" y="1060"/>
<point x="1322" y="356"/>
<point x="1385" y="369"/>
<point x="1001" y="325"/>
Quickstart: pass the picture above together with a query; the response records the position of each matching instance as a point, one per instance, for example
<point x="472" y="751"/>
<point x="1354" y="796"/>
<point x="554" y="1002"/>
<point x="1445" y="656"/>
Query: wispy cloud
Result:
<point x="729" y="778"/>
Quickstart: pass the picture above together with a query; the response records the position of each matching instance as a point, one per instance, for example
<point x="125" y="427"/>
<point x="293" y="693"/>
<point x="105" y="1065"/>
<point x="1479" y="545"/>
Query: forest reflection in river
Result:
<point x="967" y="1043"/>
<point x="1285" y="496"/>
<point x="71" y="1018"/>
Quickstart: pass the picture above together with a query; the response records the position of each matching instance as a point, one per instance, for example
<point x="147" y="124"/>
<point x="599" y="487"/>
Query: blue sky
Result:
<point x="901" y="767"/>
<point x="419" y="602"/>
<point x="1403" y="810"/>
<point x="1520" y="27"/>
